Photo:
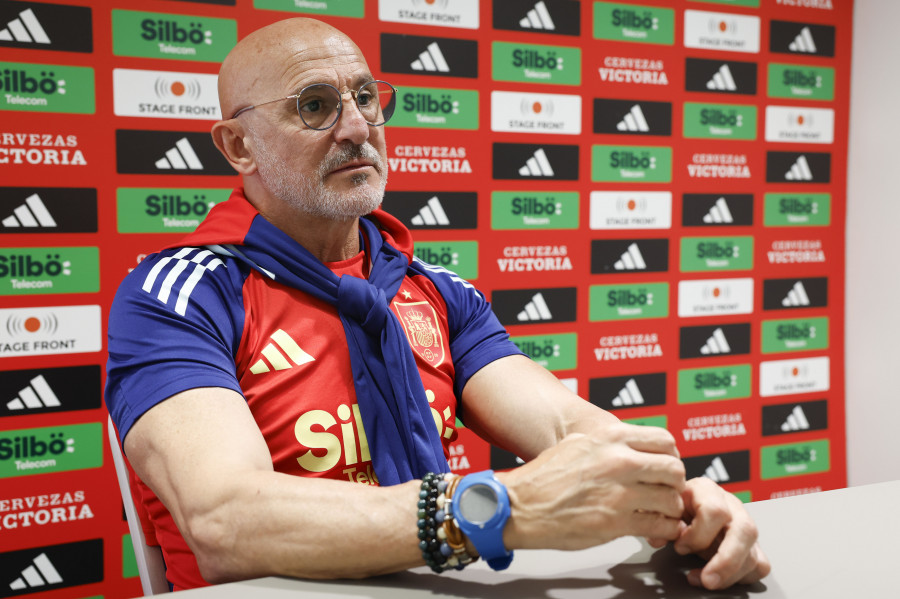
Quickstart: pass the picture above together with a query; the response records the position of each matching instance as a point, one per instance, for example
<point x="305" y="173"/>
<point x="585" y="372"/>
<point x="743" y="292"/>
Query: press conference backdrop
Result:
<point x="651" y="194"/>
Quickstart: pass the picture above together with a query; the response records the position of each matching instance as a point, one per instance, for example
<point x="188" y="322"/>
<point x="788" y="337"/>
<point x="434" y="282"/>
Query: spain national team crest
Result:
<point x="420" y="323"/>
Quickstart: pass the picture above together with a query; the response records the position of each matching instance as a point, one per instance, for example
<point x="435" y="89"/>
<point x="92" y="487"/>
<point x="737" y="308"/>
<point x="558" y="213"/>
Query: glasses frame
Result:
<point x="340" y="107"/>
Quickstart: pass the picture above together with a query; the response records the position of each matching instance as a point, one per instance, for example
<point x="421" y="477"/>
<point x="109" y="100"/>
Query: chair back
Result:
<point x="150" y="564"/>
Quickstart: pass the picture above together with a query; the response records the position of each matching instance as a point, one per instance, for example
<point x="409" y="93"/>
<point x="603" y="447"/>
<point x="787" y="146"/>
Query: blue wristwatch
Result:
<point x="481" y="509"/>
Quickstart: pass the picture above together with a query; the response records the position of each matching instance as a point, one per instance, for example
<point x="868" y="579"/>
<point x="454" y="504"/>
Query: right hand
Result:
<point x="592" y="488"/>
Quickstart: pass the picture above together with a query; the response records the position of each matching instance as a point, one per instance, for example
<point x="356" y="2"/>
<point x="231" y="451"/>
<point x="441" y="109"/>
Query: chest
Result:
<point x="293" y="365"/>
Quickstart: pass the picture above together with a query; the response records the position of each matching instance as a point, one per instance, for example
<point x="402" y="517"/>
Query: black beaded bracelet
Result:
<point x="436" y="551"/>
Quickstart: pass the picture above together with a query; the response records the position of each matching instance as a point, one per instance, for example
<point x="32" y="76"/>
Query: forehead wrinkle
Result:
<point x="325" y="65"/>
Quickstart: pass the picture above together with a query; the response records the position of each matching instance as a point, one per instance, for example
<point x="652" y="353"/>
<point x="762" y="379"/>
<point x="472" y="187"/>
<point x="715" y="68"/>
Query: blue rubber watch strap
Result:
<point x="488" y="540"/>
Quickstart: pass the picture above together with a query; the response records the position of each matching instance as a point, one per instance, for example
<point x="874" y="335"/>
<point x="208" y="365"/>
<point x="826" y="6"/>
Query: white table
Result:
<point x="837" y="544"/>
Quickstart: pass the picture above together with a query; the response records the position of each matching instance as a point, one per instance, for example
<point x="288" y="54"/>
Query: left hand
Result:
<point x="718" y="528"/>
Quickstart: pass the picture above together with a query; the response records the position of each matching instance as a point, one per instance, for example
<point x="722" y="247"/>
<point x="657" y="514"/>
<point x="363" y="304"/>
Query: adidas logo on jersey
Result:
<point x="25" y="29"/>
<point x="537" y="166"/>
<point x="536" y="309"/>
<point x="800" y="171"/>
<point x="803" y="42"/>
<point x="630" y="395"/>
<point x="33" y="213"/>
<point x="722" y="80"/>
<point x="37" y="395"/>
<point x="431" y="60"/>
<point x="797" y="296"/>
<point x="538" y="18"/>
<point x="431" y="214"/>
<point x="181" y="157"/>
<point x="40" y="573"/>
<point x="716" y="471"/>
<point x="634" y="121"/>
<point x="279" y="354"/>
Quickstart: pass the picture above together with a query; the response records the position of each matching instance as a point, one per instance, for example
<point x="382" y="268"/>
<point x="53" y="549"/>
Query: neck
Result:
<point x="328" y="240"/>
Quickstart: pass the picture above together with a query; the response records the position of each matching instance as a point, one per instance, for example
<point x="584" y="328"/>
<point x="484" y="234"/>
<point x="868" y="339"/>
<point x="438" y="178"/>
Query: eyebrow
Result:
<point x="357" y="82"/>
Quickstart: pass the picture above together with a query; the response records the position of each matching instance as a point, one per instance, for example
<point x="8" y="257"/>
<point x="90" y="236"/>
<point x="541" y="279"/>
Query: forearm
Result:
<point x="277" y="524"/>
<point x="520" y="406"/>
<point x="202" y="453"/>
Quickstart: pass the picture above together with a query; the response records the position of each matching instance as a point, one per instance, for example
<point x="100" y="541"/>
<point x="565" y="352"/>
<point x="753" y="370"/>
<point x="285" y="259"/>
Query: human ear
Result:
<point x="229" y="137"/>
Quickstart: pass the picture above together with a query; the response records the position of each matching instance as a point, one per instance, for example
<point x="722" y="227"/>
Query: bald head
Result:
<point x="265" y="64"/>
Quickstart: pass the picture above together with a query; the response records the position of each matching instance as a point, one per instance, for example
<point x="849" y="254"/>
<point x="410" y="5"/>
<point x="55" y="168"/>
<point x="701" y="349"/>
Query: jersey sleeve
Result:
<point x="476" y="336"/>
<point x="175" y="324"/>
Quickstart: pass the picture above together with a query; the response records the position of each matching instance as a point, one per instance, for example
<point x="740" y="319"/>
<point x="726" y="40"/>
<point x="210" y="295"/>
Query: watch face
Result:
<point x="478" y="504"/>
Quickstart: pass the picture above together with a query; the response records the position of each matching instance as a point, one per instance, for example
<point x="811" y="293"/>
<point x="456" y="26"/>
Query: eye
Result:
<point x="311" y="105"/>
<point x="365" y="98"/>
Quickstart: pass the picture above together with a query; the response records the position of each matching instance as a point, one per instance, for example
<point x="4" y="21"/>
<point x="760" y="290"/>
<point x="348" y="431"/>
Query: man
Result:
<point x="249" y="380"/>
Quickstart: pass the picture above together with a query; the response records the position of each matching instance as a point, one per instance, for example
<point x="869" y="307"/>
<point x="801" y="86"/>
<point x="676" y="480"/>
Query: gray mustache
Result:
<point x="345" y="154"/>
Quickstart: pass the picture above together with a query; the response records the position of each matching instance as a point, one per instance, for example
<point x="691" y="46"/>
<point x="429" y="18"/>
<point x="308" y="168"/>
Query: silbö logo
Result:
<point x="16" y="81"/>
<point x="444" y="256"/>
<point x="31" y="452"/>
<point x="168" y="33"/>
<point x="27" y="266"/>
<point x="533" y="59"/>
<point x="429" y="108"/>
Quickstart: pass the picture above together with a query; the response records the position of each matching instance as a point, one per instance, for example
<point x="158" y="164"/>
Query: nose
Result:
<point x="351" y="125"/>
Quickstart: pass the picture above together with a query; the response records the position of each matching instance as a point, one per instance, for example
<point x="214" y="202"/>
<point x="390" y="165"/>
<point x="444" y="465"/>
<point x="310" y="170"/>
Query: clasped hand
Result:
<point x="627" y="480"/>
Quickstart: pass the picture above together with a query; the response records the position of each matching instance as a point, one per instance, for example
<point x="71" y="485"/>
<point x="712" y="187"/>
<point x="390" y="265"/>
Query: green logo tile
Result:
<point x="179" y="37"/>
<point x="522" y="210"/>
<point x="553" y="352"/>
<point x="536" y="64"/>
<point x="164" y="210"/>
<point x="46" y="88"/>
<point x="52" y="449"/>
<point x="795" y="334"/>
<point x="793" y="459"/>
<point x="697" y="385"/>
<point x="800" y="82"/>
<point x="434" y="108"/>
<point x="631" y="23"/>
<point x="719" y="121"/>
<point x="797" y="210"/>
<point x="460" y="257"/>
<point x="660" y="421"/>
<point x="744" y="496"/>
<point x="716" y="253"/>
<point x="638" y="164"/>
<point x="41" y="270"/>
<point x="626" y="302"/>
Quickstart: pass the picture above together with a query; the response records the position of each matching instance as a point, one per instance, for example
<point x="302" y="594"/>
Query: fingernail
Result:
<point x="694" y="578"/>
<point x="713" y="581"/>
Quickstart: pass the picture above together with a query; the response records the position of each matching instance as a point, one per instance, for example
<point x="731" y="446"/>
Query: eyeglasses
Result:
<point x="320" y="105"/>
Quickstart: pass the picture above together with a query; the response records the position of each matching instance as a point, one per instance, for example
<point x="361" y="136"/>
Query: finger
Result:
<point x="654" y="525"/>
<point x="650" y="439"/>
<point x="760" y="570"/>
<point x="658" y="469"/>
<point x="657" y="498"/>
<point x="734" y="559"/>
<point x="709" y="520"/>
<point x="657" y="543"/>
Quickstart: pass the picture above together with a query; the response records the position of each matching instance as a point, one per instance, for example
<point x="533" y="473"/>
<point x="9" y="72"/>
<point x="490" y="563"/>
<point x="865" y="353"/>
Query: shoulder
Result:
<point x="179" y="278"/>
<point x="445" y="280"/>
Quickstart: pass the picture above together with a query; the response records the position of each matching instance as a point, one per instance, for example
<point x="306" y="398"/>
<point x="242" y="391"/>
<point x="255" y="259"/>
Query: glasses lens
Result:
<point x="318" y="106"/>
<point x="376" y="101"/>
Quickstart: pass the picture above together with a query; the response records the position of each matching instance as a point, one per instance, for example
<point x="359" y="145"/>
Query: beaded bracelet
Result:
<point x="441" y="542"/>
